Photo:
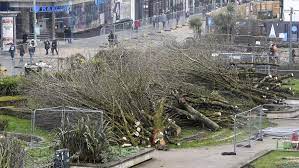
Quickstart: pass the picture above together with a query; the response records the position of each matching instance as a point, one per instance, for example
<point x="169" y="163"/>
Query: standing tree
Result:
<point x="226" y="21"/>
<point x="195" y="23"/>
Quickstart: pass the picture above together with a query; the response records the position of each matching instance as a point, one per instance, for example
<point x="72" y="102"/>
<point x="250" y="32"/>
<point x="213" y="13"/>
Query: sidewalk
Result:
<point x="88" y="47"/>
<point x="210" y="157"/>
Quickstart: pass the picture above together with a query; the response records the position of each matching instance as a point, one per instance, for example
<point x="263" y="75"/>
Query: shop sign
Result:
<point x="64" y="8"/>
<point x="7" y="32"/>
<point x="99" y="2"/>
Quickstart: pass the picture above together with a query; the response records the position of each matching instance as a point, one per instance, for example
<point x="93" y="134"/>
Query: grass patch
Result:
<point x="278" y="159"/>
<point x="17" y="125"/>
<point x="294" y="84"/>
<point x="208" y="138"/>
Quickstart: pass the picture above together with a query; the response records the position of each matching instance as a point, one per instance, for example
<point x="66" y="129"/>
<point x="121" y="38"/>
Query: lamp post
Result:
<point x="290" y="36"/>
<point x="34" y="20"/>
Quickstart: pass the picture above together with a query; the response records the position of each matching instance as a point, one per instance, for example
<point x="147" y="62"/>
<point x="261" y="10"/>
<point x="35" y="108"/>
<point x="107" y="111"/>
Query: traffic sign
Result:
<point x="294" y="28"/>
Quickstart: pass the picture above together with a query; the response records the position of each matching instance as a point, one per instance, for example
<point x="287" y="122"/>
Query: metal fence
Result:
<point x="262" y="63"/>
<point x="156" y="23"/>
<point x="57" y="117"/>
<point x="40" y="153"/>
<point x="247" y="128"/>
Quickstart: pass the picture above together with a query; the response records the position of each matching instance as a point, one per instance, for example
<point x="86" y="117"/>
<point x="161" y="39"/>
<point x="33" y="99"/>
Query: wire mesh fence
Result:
<point x="46" y="123"/>
<point x="262" y="63"/>
<point x="57" y="117"/>
<point x="248" y="127"/>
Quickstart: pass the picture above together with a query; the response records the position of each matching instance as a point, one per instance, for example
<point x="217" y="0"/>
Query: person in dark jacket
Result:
<point x="22" y="52"/>
<point x="47" y="46"/>
<point x="293" y="55"/>
<point x="31" y="50"/>
<point x="12" y="51"/>
<point x="54" y="47"/>
<point x="25" y="37"/>
<point x="69" y="35"/>
<point x="111" y="38"/>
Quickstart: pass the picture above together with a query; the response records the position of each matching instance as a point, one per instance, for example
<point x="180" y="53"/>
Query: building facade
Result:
<point x="82" y="15"/>
<point x="54" y="15"/>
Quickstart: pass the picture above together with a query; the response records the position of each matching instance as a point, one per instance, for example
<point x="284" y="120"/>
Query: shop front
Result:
<point x="53" y="17"/>
<point x="149" y="8"/>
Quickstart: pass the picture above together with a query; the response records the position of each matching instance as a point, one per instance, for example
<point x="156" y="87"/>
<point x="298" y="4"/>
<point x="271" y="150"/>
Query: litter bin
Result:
<point x="62" y="158"/>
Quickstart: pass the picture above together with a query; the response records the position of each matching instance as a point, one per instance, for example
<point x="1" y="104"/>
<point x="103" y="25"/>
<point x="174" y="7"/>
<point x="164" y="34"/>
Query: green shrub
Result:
<point x="12" y="153"/>
<point x="85" y="142"/>
<point x="9" y="85"/>
<point x="195" y="23"/>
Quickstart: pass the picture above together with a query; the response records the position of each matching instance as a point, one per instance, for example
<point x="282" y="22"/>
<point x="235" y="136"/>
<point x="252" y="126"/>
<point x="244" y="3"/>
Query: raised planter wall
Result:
<point x="130" y="161"/>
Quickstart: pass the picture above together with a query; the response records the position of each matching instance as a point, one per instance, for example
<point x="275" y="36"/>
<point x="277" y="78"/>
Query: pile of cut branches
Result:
<point x="148" y="93"/>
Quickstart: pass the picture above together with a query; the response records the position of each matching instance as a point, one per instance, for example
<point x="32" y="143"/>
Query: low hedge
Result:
<point x="9" y="85"/>
<point x="18" y="101"/>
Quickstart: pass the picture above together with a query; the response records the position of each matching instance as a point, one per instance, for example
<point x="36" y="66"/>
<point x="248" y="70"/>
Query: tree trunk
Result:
<point x="199" y="116"/>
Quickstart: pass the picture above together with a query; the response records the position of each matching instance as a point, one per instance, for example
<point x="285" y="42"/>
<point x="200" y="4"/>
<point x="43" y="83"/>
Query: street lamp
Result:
<point x="34" y="20"/>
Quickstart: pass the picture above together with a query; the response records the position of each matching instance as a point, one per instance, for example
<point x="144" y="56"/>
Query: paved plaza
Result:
<point x="210" y="157"/>
<point x="88" y="47"/>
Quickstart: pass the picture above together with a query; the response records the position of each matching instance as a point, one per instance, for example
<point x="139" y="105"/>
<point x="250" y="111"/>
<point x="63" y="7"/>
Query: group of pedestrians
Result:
<point x="52" y="45"/>
<point x="22" y="49"/>
<point x="165" y="17"/>
<point x="31" y="48"/>
<point x="68" y="34"/>
<point x="157" y="19"/>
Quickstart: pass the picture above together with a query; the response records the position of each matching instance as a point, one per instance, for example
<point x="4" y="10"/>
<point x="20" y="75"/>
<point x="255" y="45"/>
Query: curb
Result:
<point x="257" y="156"/>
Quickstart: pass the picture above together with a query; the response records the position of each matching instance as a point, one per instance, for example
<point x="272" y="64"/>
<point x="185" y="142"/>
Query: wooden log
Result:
<point x="209" y="123"/>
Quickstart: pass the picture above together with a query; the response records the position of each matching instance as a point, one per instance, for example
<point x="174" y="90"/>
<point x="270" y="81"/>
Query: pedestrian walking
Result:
<point x="154" y="21"/>
<point x="111" y="37"/>
<point x="157" y="22"/>
<point x="25" y="37"/>
<point x="163" y="19"/>
<point x="69" y="35"/>
<point x="64" y="33"/>
<point x="168" y="16"/>
<point x="31" y="50"/>
<point x="273" y="53"/>
<point x="22" y="52"/>
<point x="47" y="46"/>
<point x="293" y="55"/>
<point x="12" y="51"/>
<point x="177" y="17"/>
<point x="54" y="47"/>
<point x="187" y="15"/>
<point x="136" y="25"/>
